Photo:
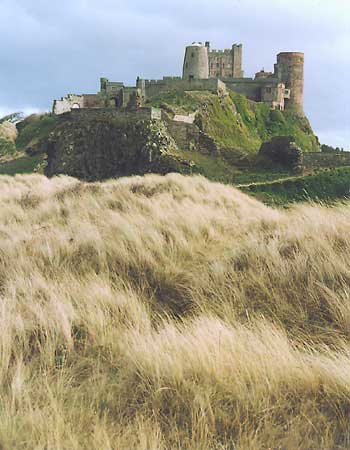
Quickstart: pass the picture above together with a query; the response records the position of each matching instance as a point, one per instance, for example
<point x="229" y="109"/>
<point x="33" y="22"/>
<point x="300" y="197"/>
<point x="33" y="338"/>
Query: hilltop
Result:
<point x="170" y="313"/>
<point x="230" y="130"/>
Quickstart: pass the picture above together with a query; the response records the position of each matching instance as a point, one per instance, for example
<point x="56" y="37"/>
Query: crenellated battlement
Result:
<point x="204" y="69"/>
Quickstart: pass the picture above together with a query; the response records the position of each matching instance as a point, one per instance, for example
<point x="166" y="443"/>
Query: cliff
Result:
<point x="97" y="149"/>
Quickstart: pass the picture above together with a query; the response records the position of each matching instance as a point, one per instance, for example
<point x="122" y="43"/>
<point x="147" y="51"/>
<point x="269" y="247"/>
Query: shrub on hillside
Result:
<point x="8" y="131"/>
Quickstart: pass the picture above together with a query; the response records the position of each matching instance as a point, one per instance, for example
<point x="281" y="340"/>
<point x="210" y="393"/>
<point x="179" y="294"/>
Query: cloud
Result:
<point x="51" y="48"/>
<point x="27" y="111"/>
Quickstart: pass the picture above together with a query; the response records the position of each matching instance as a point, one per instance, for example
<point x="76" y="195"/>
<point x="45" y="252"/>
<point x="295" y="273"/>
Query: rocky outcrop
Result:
<point x="98" y="149"/>
<point x="283" y="150"/>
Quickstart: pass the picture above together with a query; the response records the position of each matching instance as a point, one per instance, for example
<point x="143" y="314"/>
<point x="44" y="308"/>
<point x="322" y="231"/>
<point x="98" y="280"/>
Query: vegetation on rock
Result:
<point x="33" y="131"/>
<point x="237" y="124"/>
<point x="8" y="136"/>
<point x="104" y="148"/>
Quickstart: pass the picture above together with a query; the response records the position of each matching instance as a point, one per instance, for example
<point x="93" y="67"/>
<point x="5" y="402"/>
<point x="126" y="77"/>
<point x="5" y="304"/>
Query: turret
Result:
<point x="237" y="71"/>
<point x="196" y="64"/>
<point x="290" y="71"/>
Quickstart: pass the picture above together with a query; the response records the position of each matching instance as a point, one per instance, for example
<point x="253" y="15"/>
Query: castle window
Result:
<point x="192" y="54"/>
<point x="217" y="65"/>
<point x="268" y="90"/>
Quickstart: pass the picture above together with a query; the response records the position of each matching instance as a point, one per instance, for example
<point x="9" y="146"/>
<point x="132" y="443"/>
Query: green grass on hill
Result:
<point x="179" y="102"/>
<point x="33" y="129"/>
<point x="22" y="165"/>
<point x="237" y="124"/>
<point x="327" y="185"/>
<point x="7" y="147"/>
<point x="220" y="170"/>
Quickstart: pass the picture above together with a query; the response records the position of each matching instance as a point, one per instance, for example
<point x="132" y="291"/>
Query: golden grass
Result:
<point x="161" y="313"/>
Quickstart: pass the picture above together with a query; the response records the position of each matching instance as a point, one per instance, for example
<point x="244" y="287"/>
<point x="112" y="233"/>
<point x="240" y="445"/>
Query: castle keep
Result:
<point x="204" y="69"/>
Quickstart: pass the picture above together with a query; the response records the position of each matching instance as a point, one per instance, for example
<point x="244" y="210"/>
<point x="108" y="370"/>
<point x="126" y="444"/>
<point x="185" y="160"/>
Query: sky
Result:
<point x="49" y="49"/>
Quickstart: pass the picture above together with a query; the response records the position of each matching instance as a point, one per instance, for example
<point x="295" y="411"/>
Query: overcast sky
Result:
<point x="50" y="48"/>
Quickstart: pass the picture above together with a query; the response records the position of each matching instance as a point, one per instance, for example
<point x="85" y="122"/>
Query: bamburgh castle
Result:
<point x="205" y="69"/>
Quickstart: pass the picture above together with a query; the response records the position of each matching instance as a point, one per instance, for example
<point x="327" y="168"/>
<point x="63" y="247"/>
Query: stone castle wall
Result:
<point x="205" y="70"/>
<point x="226" y="63"/>
<point x="76" y="102"/>
<point x="112" y="113"/>
<point x="168" y="84"/>
<point x="65" y="104"/>
<point x="256" y="89"/>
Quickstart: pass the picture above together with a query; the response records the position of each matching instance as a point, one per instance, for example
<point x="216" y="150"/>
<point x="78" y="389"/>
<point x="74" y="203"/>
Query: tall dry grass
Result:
<point x="170" y="313"/>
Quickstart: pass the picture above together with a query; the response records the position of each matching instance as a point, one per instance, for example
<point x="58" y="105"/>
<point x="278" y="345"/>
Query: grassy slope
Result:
<point x="236" y="123"/>
<point x="21" y="164"/>
<point x="170" y="313"/>
<point x="33" y="129"/>
<point x="8" y="135"/>
<point x="326" y="185"/>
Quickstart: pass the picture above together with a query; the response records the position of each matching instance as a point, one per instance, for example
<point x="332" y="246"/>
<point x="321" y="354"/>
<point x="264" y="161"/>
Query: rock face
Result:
<point x="100" y="149"/>
<point x="284" y="151"/>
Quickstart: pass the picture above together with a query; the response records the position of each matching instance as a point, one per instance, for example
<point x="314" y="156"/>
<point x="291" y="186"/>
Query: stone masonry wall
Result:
<point x="189" y="137"/>
<point x="226" y="63"/>
<point x="168" y="84"/>
<point x="110" y="113"/>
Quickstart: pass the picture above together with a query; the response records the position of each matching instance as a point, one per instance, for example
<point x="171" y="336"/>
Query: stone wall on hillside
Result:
<point x="189" y="137"/>
<point x="146" y="113"/>
<point x="321" y="160"/>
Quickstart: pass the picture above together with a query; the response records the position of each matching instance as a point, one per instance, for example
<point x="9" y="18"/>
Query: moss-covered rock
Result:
<point x="283" y="150"/>
<point x="105" y="148"/>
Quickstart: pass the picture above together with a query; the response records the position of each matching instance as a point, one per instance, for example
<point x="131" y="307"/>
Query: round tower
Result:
<point x="196" y="63"/>
<point x="290" y="69"/>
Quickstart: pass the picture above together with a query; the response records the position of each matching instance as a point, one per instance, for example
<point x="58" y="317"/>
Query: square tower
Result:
<point x="226" y="63"/>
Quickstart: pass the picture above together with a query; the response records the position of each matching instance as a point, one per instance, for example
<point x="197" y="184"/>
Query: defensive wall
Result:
<point x="73" y="102"/>
<point x="319" y="160"/>
<point x="150" y="88"/>
<point x="112" y="113"/>
<point x="205" y="70"/>
<point x="267" y="90"/>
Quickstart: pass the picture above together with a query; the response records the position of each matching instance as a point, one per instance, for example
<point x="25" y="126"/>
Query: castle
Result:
<point x="204" y="69"/>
